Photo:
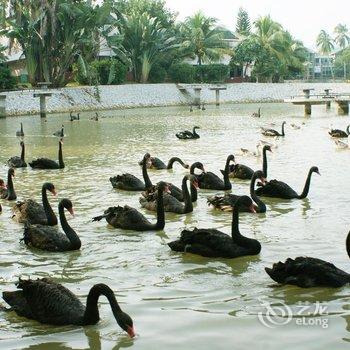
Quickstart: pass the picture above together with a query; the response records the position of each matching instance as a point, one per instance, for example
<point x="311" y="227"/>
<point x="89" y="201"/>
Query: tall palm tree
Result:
<point x="202" y="39"/>
<point x="324" y="42"/>
<point x="342" y="35"/>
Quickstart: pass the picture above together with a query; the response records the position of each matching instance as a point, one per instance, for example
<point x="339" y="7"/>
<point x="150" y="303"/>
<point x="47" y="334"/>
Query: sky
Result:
<point x="303" y="18"/>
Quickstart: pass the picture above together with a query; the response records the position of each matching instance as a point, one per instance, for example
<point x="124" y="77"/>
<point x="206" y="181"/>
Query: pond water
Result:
<point x="181" y="300"/>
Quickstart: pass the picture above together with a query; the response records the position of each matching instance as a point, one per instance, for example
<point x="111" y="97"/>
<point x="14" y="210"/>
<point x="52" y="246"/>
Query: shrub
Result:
<point x="212" y="73"/>
<point x="105" y="72"/>
<point x="7" y="80"/>
<point x="182" y="73"/>
<point x="157" y="74"/>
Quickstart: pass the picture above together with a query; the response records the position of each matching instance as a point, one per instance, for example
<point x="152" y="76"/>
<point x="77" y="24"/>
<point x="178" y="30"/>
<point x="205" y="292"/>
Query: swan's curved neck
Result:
<point x="21" y="128"/>
<point x="348" y="129"/>
<point x="194" y="131"/>
<point x="227" y="182"/>
<point x="23" y="152"/>
<point x="160" y="211"/>
<point x="11" y="194"/>
<point x="91" y="314"/>
<point x="348" y="244"/>
<point x="256" y="199"/>
<point x="264" y="162"/>
<point x="70" y="233"/>
<point x="282" y="129"/>
<point x="187" y="197"/>
<point x="60" y="156"/>
<point x="50" y="215"/>
<point x="307" y="186"/>
<point x="173" y="160"/>
<point x="146" y="178"/>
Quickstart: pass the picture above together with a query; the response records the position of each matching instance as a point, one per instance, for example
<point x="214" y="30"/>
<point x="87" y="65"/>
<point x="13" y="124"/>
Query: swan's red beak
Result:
<point x="167" y="189"/>
<point x="195" y="184"/>
<point x="252" y="208"/>
<point x="186" y="166"/>
<point x="318" y="172"/>
<point x="263" y="180"/>
<point x="131" y="331"/>
<point x="54" y="192"/>
<point x="71" y="211"/>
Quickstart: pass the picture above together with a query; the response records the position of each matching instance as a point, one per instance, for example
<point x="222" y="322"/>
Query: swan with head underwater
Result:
<point x="216" y="244"/>
<point x="128" y="218"/>
<point x="129" y="182"/>
<point x="306" y="272"/>
<point x="48" y="302"/>
<point x="45" y="163"/>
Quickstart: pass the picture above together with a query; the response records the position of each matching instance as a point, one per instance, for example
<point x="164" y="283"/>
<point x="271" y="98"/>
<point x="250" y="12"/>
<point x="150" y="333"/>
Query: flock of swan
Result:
<point x="51" y="303"/>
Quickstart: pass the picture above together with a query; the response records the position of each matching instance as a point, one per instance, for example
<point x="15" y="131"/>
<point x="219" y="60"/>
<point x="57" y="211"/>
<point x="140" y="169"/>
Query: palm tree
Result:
<point x="342" y="38"/>
<point x="324" y="42"/>
<point x="201" y="38"/>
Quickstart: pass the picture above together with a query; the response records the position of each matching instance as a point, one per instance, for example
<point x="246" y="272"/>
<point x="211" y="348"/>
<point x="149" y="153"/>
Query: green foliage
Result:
<point x="342" y="64"/>
<point x="7" y="81"/>
<point x="243" y="22"/>
<point x="105" y="72"/>
<point x="202" y="39"/>
<point x="342" y="37"/>
<point x="157" y="74"/>
<point x="212" y="73"/>
<point x="324" y="42"/>
<point x="182" y="73"/>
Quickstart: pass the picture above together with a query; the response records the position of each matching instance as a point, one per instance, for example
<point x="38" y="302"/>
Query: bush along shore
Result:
<point x="108" y="97"/>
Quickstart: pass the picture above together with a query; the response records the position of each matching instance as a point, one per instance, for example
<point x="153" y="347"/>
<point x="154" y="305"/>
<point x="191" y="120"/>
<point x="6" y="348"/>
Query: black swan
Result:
<point x="171" y="204"/>
<point x="50" y="238"/>
<point x="51" y="303"/>
<point x="257" y="114"/>
<point x="9" y="191"/>
<point x="18" y="162"/>
<point x="272" y="132"/>
<point x="45" y="163"/>
<point x="188" y="135"/>
<point x="210" y="181"/>
<point x="2" y="189"/>
<point x="59" y="133"/>
<point x="74" y="117"/>
<point x="129" y="182"/>
<point x="157" y="164"/>
<point x="128" y="218"/>
<point x="216" y="244"/>
<point x="279" y="189"/>
<point x="95" y="118"/>
<point x="20" y="132"/>
<point x="34" y="213"/>
<point x="306" y="272"/>
<point x="340" y="133"/>
<point x="227" y="201"/>
<point x="243" y="172"/>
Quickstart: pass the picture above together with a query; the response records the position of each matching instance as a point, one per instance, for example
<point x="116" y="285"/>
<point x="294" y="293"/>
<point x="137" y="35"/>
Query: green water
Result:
<point x="182" y="301"/>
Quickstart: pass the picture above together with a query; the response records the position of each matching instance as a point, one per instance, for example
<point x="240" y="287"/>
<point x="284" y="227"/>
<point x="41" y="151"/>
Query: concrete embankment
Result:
<point x="150" y="95"/>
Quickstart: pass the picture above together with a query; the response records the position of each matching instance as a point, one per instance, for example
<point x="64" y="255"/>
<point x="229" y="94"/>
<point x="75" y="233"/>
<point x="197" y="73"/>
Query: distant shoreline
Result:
<point x="127" y="96"/>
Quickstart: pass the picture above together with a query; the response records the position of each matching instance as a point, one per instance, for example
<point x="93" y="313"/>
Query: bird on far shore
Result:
<point x="95" y="118"/>
<point x="20" y="133"/>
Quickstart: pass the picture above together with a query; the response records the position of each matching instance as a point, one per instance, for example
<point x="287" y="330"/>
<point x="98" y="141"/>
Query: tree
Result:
<point x="53" y="33"/>
<point x="342" y="64"/>
<point x="2" y="53"/>
<point x="243" y="22"/>
<point x="145" y="36"/>
<point x="342" y="35"/>
<point x="324" y="42"/>
<point x="202" y="39"/>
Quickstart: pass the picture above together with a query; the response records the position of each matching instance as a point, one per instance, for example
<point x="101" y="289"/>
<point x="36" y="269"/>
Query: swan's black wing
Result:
<point x="16" y="162"/>
<point x="44" y="163"/>
<point x="241" y="171"/>
<point x="338" y="133"/>
<point x="29" y="211"/>
<point x="270" y="132"/>
<point x="277" y="189"/>
<point x="308" y="272"/>
<point x="209" y="181"/>
<point x="128" y="218"/>
<point x="46" y="238"/>
<point x="225" y="202"/>
<point x="127" y="182"/>
<point x="47" y="302"/>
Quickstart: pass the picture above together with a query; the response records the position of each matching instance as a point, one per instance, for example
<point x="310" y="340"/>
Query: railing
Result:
<point x="330" y="95"/>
